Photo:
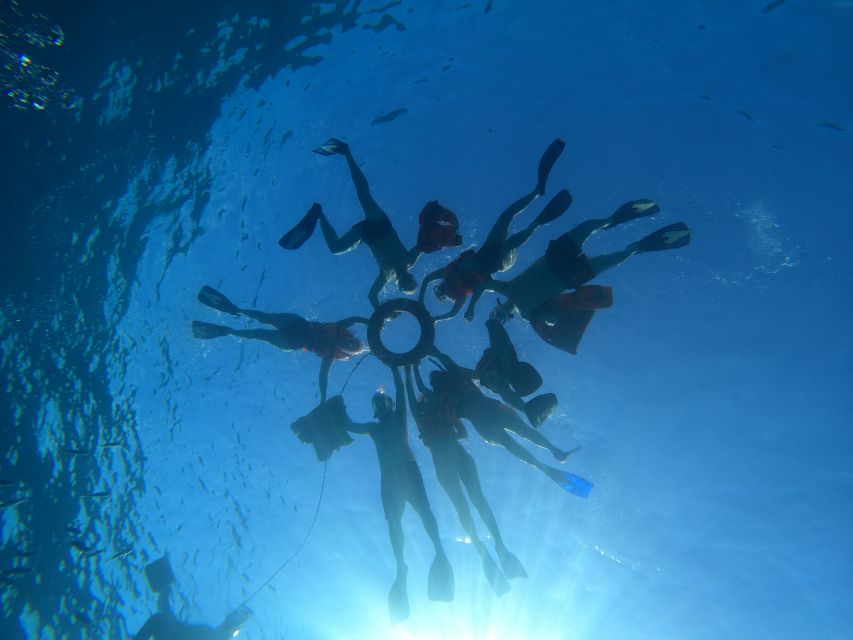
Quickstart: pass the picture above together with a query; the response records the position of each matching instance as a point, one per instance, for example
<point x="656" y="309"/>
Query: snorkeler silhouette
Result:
<point x="329" y="340"/>
<point x="493" y="420"/>
<point x="440" y="432"/>
<point x="401" y="482"/>
<point x="163" y="625"/>
<point x="438" y="230"/>
<point x="500" y="250"/>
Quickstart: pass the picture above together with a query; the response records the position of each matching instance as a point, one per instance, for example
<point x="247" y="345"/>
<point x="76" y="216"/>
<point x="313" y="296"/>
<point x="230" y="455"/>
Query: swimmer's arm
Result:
<point x="361" y="428"/>
<point x="375" y="288"/>
<point x="414" y="405"/>
<point x="420" y="381"/>
<point x="479" y="290"/>
<point x="346" y="322"/>
<point x="457" y="306"/>
<point x="325" y="366"/>
<point x="435" y="275"/>
<point x="401" y="394"/>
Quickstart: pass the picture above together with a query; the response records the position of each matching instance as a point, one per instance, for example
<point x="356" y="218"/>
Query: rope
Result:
<point x="298" y="549"/>
<point x="313" y="520"/>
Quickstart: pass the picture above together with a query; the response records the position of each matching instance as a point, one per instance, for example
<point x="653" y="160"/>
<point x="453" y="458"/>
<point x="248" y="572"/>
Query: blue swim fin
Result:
<point x="576" y="485"/>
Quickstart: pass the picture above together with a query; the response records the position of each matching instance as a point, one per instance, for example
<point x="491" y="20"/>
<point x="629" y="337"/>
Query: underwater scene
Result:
<point x="424" y="320"/>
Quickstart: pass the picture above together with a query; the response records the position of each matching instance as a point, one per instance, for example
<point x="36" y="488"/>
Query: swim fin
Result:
<point x="497" y="580"/>
<point x="330" y="147"/>
<point x="631" y="211"/>
<point x="215" y="300"/>
<point x="511" y="565"/>
<point x="441" y="586"/>
<point x="303" y="230"/>
<point x="398" y="600"/>
<point x="575" y="484"/>
<point x="159" y="575"/>
<point x="540" y="408"/>
<point x="524" y="378"/>
<point x="555" y="208"/>
<point x="546" y="163"/>
<point x="208" y="331"/>
<point x="673" y="236"/>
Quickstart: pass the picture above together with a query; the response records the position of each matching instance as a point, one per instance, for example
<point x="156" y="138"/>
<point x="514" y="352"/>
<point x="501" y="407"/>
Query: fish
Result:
<point x="72" y="530"/>
<point x="391" y="115"/>
<point x="76" y="452"/>
<point x="831" y="125"/>
<point x="11" y="503"/>
<point x="81" y="546"/>
<point x="121" y="555"/>
<point x="19" y="571"/>
<point x="112" y="445"/>
<point x="7" y="483"/>
<point x="745" y="114"/>
<point x="773" y="5"/>
<point x="97" y="494"/>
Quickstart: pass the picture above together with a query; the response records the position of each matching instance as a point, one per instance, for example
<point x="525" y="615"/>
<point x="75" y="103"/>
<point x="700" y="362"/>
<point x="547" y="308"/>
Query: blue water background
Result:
<point x="712" y="402"/>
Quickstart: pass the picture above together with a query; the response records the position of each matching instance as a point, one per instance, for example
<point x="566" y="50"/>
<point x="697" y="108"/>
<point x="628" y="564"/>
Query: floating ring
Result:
<point x="390" y="309"/>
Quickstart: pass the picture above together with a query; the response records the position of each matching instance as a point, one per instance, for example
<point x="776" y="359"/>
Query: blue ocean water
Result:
<point x="150" y="150"/>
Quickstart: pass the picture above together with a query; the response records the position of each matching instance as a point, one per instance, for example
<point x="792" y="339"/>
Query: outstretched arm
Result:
<point x="361" y="428"/>
<point x="347" y="322"/>
<point x="450" y="365"/>
<point x="401" y="393"/>
<point x="457" y="306"/>
<point x="435" y="275"/>
<point x="325" y="366"/>
<point x="421" y="386"/>
<point x="375" y="288"/>
<point x="414" y="405"/>
<point x="479" y="290"/>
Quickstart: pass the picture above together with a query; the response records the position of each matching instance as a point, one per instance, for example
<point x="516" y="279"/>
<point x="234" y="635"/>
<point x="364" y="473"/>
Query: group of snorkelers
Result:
<point x="552" y="294"/>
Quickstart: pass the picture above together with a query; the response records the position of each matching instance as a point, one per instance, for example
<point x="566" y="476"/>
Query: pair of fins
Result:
<point x="215" y="300"/>
<point x="304" y="229"/>
<point x="673" y="236"/>
<point x="441" y="587"/>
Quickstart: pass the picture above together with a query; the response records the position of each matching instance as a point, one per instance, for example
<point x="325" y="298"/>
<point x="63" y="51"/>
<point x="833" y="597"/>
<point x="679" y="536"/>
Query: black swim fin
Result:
<point x="497" y="580"/>
<point x="215" y="300"/>
<point x="208" y="331"/>
<point x="441" y="586"/>
<point x="631" y="211"/>
<point x="555" y="208"/>
<point x="330" y="147"/>
<point x="524" y="378"/>
<point x="303" y="230"/>
<point x="673" y="236"/>
<point x="398" y="600"/>
<point x="546" y="163"/>
<point x="511" y="565"/>
<point x="540" y="408"/>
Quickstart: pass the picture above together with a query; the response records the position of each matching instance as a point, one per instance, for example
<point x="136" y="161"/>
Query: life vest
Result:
<point x="435" y="422"/>
<point x="459" y="282"/>
<point x="562" y="321"/>
<point x="458" y="387"/>
<point x="323" y="339"/>
<point x="439" y="228"/>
